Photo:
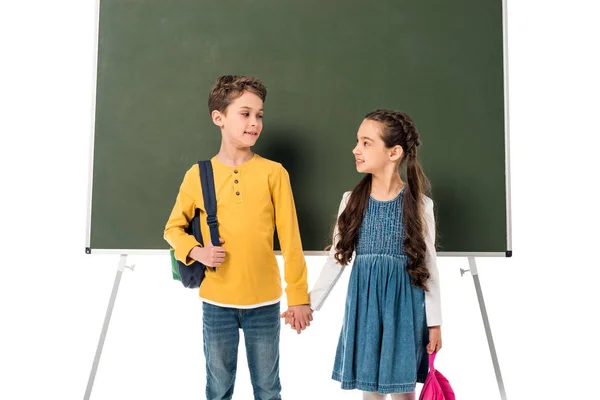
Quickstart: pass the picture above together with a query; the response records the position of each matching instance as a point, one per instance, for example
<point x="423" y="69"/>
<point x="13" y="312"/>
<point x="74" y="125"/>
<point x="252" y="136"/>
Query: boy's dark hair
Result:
<point x="229" y="87"/>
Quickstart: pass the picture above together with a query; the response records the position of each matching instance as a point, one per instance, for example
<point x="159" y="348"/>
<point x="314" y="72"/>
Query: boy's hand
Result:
<point x="209" y="255"/>
<point x="435" y="339"/>
<point x="298" y="317"/>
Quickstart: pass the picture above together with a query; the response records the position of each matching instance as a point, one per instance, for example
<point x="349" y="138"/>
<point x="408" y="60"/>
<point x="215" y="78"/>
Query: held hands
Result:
<point x="209" y="255"/>
<point x="298" y="317"/>
<point x="435" y="339"/>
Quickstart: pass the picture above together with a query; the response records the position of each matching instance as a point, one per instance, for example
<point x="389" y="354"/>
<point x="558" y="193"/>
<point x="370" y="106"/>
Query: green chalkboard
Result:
<point x="325" y="64"/>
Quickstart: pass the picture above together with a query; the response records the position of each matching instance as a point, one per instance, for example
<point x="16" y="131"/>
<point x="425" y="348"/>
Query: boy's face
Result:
<point x="242" y="121"/>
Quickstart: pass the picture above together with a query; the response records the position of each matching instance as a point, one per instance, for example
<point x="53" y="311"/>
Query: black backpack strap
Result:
<point x="207" y="181"/>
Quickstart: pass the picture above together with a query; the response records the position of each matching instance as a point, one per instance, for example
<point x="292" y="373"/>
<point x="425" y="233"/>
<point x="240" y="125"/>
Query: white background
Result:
<point x="53" y="297"/>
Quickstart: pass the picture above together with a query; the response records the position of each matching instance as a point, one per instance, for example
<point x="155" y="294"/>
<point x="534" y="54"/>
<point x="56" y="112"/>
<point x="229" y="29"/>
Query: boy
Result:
<point x="243" y="292"/>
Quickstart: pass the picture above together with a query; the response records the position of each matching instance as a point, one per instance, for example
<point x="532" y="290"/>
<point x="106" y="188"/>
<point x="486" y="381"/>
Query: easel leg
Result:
<point x="486" y="324"/>
<point x="109" y="311"/>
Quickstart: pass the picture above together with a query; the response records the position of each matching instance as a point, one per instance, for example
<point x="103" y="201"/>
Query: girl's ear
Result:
<point x="396" y="153"/>
<point x="217" y="118"/>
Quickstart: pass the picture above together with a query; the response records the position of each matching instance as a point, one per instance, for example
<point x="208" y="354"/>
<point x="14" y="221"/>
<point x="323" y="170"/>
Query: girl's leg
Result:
<point x="373" y="396"/>
<point x="403" y="396"/>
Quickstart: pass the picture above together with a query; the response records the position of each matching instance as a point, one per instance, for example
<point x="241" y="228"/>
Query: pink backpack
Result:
<point x="436" y="386"/>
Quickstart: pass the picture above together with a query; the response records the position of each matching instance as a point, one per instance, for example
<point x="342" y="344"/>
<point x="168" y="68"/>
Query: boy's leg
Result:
<point x="221" y="332"/>
<point x="261" y="334"/>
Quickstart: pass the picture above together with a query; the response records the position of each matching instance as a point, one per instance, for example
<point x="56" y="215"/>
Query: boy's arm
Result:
<point x="181" y="215"/>
<point x="288" y="232"/>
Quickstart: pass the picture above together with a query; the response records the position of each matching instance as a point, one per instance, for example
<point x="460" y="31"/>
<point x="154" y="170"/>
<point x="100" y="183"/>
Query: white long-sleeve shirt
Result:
<point x="332" y="270"/>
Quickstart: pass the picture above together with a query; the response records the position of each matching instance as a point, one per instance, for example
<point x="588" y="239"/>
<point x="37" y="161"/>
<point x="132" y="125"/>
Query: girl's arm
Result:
<point x="433" y="305"/>
<point x="332" y="270"/>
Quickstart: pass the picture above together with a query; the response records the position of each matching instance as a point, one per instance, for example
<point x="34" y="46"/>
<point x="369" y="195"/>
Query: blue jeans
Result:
<point x="221" y="331"/>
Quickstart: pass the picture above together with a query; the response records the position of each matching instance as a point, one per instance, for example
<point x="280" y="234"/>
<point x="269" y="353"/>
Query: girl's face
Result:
<point x="370" y="152"/>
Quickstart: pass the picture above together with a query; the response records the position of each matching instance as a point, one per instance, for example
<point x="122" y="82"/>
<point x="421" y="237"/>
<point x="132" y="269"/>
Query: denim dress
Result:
<point x="382" y="345"/>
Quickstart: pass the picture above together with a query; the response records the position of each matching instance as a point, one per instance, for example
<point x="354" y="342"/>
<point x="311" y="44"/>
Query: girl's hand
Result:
<point x="289" y="318"/>
<point x="435" y="339"/>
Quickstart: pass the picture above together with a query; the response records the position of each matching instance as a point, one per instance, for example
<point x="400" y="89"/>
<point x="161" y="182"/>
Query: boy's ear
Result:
<point x="396" y="153"/>
<point x="217" y="118"/>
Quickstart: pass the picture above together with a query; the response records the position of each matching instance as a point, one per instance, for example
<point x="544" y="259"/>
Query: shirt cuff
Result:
<point x="184" y="247"/>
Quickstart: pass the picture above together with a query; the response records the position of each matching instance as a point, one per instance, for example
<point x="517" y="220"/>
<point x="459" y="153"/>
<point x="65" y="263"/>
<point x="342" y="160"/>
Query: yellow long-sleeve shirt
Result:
<point x="252" y="199"/>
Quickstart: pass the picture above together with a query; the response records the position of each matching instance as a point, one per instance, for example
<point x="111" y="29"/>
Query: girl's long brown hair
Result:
<point x="398" y="130"/>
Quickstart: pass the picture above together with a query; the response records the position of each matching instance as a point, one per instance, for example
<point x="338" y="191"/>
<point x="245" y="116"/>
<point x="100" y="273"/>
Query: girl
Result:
<point x="386" y="228"/>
